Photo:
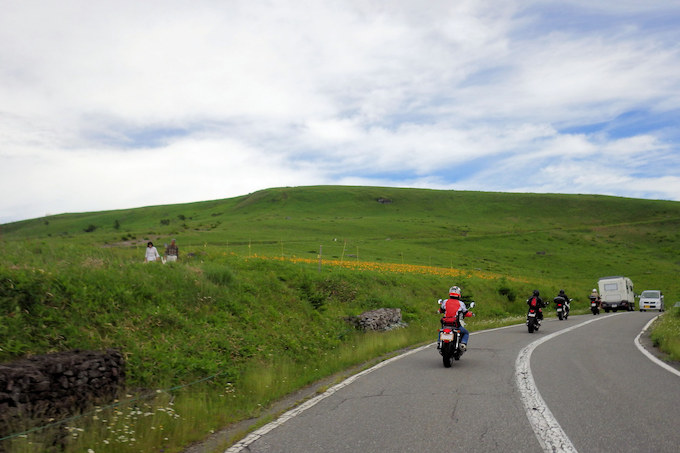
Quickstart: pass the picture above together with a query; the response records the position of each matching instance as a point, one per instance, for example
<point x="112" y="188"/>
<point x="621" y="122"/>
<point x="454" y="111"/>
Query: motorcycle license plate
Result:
<point x="559" y="310"/>
<point x="532" y="315"/>
<point x="447" y="337"/>
<point x="593" y="304"/>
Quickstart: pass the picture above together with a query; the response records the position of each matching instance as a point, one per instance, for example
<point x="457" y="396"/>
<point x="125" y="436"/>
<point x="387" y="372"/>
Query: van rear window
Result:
<point x="611" y="287"/>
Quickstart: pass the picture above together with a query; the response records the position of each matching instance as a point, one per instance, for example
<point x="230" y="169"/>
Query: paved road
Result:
<point x="609" y="397"/>
<point x="414" y="404"/>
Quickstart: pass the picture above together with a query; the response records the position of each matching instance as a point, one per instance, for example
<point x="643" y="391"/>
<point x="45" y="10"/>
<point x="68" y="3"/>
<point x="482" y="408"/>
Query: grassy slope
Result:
<point x="547" y="241"/>
<point x="62" y="287"/>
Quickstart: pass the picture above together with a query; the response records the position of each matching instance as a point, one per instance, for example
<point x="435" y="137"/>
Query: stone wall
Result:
<point x="380" y="319"/>
<point x="54" y="386"/>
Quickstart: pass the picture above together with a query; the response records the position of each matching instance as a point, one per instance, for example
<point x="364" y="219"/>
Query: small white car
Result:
<point x="651" y="299"/>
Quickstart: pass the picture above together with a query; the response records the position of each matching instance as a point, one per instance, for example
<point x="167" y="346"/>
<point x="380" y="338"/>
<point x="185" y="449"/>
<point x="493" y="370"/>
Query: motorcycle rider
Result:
<point x="536" y="302"/>
<point x="453" y="308"/>
<point x="566" y="301"/>
<point x="594" y="296"/>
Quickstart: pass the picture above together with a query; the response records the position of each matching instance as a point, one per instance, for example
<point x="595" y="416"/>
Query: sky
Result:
<point x="120" y="104"/>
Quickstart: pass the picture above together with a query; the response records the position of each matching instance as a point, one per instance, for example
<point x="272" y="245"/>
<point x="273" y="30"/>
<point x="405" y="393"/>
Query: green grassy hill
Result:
<point x="258" y="301"/>
<point x="568" y="239"/>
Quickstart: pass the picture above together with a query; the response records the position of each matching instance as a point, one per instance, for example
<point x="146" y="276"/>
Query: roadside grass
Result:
<point x="168" y="420"/>
<point x="666" y="333"/>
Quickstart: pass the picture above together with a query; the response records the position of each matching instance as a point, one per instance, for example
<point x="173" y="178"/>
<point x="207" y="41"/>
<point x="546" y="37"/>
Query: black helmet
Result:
<point x="561" y="292"/>
<point x="536" y="292"/>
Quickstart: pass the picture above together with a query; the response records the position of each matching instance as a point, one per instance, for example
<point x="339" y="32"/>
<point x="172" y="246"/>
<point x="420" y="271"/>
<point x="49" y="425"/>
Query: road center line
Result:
<point x="548" y="431"/>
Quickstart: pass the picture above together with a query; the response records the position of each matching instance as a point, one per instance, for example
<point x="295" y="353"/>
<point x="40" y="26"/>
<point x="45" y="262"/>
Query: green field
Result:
<point x="256" y="306"/>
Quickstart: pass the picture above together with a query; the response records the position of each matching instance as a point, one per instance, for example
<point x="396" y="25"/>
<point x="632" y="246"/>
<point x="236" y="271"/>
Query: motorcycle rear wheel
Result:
<point x="448" y="360"/>
<point x="447" y="356"/>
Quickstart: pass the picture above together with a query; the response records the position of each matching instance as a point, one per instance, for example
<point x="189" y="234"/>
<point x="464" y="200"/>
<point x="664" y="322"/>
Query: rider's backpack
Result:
<point x="533" y="303"/>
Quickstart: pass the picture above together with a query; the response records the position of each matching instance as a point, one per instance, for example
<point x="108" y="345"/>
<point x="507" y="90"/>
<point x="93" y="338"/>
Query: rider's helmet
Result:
<point x="561" y="292"/>
<point x="536" y="293"/>
<point x="454" y="292"/>
<point x="594" y="290"/>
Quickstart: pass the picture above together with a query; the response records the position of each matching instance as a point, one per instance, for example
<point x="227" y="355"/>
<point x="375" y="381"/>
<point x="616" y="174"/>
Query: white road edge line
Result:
<point x="252" y="437"/>
<point x="649" y="355"/>
<point x="548" y="431"/>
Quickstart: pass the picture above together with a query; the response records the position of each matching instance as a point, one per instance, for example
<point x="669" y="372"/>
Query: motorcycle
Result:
<point x="562" y="307"/>
<point x="449" y="342"/>
<point x="532" y="320"/>
<point x="594" y="306"/>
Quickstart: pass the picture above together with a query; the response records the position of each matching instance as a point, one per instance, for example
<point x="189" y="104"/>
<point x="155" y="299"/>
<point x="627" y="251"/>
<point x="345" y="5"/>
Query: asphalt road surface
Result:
<point x="603" y="393"/>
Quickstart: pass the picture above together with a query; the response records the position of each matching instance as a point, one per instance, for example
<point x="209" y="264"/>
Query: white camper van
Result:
<point x="616" y="293"/>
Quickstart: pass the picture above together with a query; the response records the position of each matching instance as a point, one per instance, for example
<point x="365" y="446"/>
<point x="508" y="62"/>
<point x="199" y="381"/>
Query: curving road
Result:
<point x="604" y="394"/>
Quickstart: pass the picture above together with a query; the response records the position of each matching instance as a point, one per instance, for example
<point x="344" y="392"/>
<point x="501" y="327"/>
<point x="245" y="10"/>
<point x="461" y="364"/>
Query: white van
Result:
<point x="616" y="293"/>
<point x="651" y="299"/>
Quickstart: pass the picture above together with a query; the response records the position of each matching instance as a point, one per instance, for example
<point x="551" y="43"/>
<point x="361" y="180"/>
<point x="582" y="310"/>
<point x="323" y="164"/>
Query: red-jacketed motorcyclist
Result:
<point x="453" y="308"/>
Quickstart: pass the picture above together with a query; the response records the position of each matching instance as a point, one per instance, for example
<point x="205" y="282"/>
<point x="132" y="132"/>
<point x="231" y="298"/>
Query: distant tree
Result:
<point x="116" y="225"/>
<point x="165" y="221"/>
<point x="90" y="228"/>
<point x="181" y="217"/>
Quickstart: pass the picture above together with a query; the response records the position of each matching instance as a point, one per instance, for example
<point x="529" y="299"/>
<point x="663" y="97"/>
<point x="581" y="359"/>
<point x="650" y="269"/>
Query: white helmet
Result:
<point x="454" y="292"/>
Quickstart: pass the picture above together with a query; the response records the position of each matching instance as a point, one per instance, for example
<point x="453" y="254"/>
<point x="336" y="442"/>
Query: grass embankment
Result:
<point x="666" y="333"/>
<point x="254" y="329"/>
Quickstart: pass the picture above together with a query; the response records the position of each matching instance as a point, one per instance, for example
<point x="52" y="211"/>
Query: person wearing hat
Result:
<point x="171" y="251"/>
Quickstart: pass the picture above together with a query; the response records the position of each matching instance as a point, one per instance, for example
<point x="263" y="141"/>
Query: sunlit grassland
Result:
<point x="256" y="307"/>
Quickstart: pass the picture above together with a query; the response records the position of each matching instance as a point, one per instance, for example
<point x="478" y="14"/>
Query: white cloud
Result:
<point x="246" y="95"/>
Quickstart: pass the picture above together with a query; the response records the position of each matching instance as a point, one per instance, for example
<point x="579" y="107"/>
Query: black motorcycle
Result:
<point x="532" y="320"/>
<point x="562" y="307"/>
<point x="594" y="306"/>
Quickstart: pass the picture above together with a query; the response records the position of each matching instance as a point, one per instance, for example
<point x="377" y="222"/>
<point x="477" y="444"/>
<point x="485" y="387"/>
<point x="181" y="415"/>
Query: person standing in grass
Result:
<point x="171" y="251"/>
<point x="151" y="253"/>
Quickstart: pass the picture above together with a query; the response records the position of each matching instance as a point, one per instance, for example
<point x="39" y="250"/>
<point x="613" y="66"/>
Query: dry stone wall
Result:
<point x="380" y="319"/>
<point x="53" y="386"/>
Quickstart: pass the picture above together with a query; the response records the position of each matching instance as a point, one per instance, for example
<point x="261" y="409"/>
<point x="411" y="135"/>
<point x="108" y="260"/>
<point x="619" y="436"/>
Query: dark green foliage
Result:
<point x="313" y="294"/>
<point x="90" y="228"/>
<point x="504" y="289"/>
<point x="219" y="274"/>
